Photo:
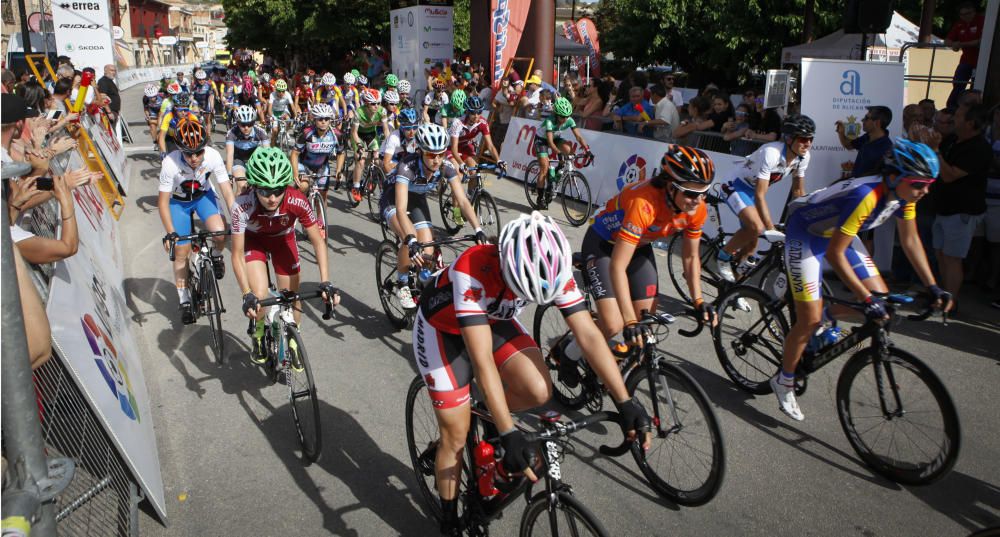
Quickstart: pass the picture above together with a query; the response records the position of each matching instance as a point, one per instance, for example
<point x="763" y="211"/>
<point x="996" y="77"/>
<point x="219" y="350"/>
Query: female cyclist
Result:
<point x="549" y="141"/>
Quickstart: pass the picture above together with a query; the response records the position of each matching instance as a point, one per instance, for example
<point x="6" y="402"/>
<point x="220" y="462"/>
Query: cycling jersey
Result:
<point x="370" y="124"/>
<point x="640" y="214"/>
<point x="152" y="105"/>
<point x="351" y="98"/>
<point x="436" y="100"/>
<point x="249" y="217"/>
<point x="467" y="134"/>
<point x="304" y="94"/>
<point x="412" y="173"/>
<point x="201" y="93"/>
<point x="329" y="96"/>
<point x="281" y="103"/>
<point x="472" y="292"/>
<point x="396" y="146"/>
<point x="250" y="100"/>
<point x="266" y="89"/>
<point x="244" y="146"/>
<point x="315" y="149"/>
<point x="769" y="162"/>
<point x="550" y="125"/>
<point x="171" y="118"/>
<point x="185" y="183"/>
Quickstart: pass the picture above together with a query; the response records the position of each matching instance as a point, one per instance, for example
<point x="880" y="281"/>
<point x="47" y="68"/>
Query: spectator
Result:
<point x="591" y="104"/>
<point x="738" y="125"/>
<point x="766" y="125"/>
<point x="60" y="92"/>
<point x="928" y="110"/>
<point x="749" y="96"/>
<point x="537" y="73"/>
<point x="673" y="94"/>
<point x="24" y="194"/>
<point x="545" y="104"/>
<point x="873" y="144"/>
<point x="7" y="81"/>
<point x="722" y="112"/>
<point x="960" y="193"/>
<point x="698" y="110"/>
<point x="911" y="116"/>
<point x="107" y="86"/>
<point x="993" y="206"/>
<point x="665" y="118"/>
<point x="944" y="124"/>
<point x="965" y="35"/>
<point x="628" y="116"/>
<point x="532" y="95"/>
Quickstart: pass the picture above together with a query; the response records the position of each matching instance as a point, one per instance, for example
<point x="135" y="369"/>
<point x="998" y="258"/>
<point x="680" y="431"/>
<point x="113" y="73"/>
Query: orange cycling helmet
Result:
<point x="190" y="136"/>
<point x="687" y="165"/>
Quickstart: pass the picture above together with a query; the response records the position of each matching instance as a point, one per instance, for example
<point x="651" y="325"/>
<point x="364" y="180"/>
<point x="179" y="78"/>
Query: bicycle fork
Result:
<point x="880" y="365"/>
<point x="654" y="388"/>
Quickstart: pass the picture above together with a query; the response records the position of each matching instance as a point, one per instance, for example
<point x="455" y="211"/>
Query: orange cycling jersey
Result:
<point x="640" y="214"/>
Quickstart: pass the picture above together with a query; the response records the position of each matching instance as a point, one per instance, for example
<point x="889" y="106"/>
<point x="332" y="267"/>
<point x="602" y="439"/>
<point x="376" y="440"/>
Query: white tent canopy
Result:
<point x="841" y="46"/>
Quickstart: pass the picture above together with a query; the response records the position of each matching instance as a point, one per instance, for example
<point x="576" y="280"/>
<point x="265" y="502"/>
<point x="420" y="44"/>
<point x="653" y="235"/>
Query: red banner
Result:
<point x="587" y="31"/>
<point x="507" y="18"/>
<point x="570" y="32"/>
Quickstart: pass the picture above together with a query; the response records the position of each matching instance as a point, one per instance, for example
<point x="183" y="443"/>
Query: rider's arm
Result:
<point x="579" y="138"/>
<point x="760" y="200"/>
<point x="488" y="140"/>
<point x="690" y="257"/>
<point x="402" y="216"/>
<point x="596" y="351"/>
<point x="798" y="186"/>
<point x="479" y="344"/>
<point x="385" y="125"/>
<point x="909" y="239"/>
<point x="295" y="164"/>
<point x="163" y="204"/>
<point x="835" y="256"/>
<point x="621" y="256"/>
<point x="462" y="201"/>
<point x="230" y="150"/>
<point x="845" y="142"/>
<point x="239" y="261"/>
<point x="387" y="164"/>
<point x="550" y="138"/>
<point x="354" y="133"/>
<point x="225" y="187"/>
<point x="319" y="246"/>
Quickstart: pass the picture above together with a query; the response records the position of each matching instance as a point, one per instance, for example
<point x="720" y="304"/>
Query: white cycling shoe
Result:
<point x="405" y="297"/>
<point x="786" y="399"/>
<point x="725" y="269"/>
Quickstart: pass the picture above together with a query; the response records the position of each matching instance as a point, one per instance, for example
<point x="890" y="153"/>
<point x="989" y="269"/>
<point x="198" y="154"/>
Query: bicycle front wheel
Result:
<point x="450" y="219"/>
<point x="686" y="461"/>
<point x="213" y="309"/>
<point x="574" y="193"/>
<point x="531" y="183"/>
<point x="487" y="213"/>
<point x="548" y="328"/>
<point x="562" y="515"/>
<point x="750" y="338"/>
<point x="386" y="279"/>
<point x="422" y="438"/>
<point x="302" y="396"/>
<point x="374" y="193"/>
<point x="316" y="201"/>
<point x="898" y="416"/>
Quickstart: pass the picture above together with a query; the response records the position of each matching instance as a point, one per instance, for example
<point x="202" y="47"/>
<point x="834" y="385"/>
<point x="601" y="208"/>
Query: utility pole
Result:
<point x="25" y="35"/>
<point x="926" y="22"/>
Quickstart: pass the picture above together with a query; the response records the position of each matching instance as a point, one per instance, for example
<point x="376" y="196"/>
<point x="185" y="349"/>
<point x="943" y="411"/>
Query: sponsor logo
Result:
<point x="852" y="127"/>
<point x="435" y="12"/>
<point x="552" y="453"/>
<point x="81" y="6"/>
<point x="90" y="47"/>
<point x="80" y="26"/>
<point x="596" y="285"/>
<point x="851" y="84"/>
<point x="421" y="343"/>
<point x="632" y="228"/>
<point x="501" y="20"/>
<point x="570" y="286"/>
<point x="409" y="19"/>
<point x="594" y="59"/>
<point x="433" y="29"/>
<point x="472" y="294"/>
<point x="794" y="267"/>
<point x="633" y="170"/>
<point x="429" y="380"/>
<point x="111" y="367"/>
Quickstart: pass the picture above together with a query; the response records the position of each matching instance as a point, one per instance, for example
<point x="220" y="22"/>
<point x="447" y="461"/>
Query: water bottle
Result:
<point x="486" y="467"/>
<point x="425" y="275"/>
<point x="823" y="339"/>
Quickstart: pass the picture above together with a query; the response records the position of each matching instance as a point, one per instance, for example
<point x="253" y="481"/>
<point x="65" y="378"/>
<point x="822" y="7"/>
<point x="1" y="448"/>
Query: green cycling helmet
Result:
<point x="458" y="97"/>
<point x="391" y="80"/>
<point x="281" y="85"/>
<point x="562" y="107"/>
<point x="356" y="73"/>
<point x="268" y="167"/>
<point x="252" y="74"/>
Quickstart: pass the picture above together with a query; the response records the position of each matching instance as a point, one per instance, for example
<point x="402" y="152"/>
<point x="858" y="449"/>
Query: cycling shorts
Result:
<point x="283" y="249"/>
<point x="238" y="163"/>
<point x="542" y="148"/>
<point x="180" y="212"/>
<point x="804" y="255"/>
<point x="741" y="196"/>
<point x="445" y="365"/>
<point x="416" y="207"/>
<point x="641" y="271"/>
<point x="323" y="170"/>
<point x="466" y="150"/>
<point x="370" y="140"/>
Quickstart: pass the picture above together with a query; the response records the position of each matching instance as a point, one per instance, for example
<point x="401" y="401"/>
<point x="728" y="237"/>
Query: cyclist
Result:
<point x="241" y="141"/>
<point x="467" y="327"/>
<point x="184" y="190"/>
<point x="183" y="82"/>
<point x="405" y="100"/>
<point x="280" y="106"/>
<point x="367" y="133"/>
<point x="391" y="83"/>
<point x="171" y="89"/>
<point x="822" y="229"/>
<point x="313" y="150"/>
<point x="454" y="109"/>
<point x="404" y="200"/>
<point x="266" y="87"/>
<point x="390" y="101"/>
<point x="549" y="141"/>
<point x="434" y="101"/>
<point x="465" y="130"/>
<point x="246" y="95"/>
<point x="152" y="100"/>
<point x="304" y="93"/>
<point x="204" y="96"/>
<point x="402" y="140"/>
<point x="350" y="94"/>
<point x="263" y="223"/>
<point x="330" y="93"/>
<point x="181" y="108"/>
<point x="749" y="183"/>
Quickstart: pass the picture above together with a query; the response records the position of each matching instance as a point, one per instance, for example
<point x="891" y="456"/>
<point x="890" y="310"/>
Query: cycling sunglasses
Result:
<point x="691" y="194"/>
<point x="197" y="153"/>
<point x="405" y="128"/>
<point x="430" y="155"/>
<point x="919" y="182"/>
<point x="271" y="192"/>
<point x="246" y="124"/>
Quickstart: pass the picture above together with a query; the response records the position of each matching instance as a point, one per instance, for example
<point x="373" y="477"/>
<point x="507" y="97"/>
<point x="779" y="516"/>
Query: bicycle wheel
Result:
<point x="214" y="309"/>
<point x="686" y="461"/>
<point x="302" y="396"/>
<point x="318" y="207"/>
<point x="675" y="267"/>
<point x="548" y="328"/>
<point x="530" y="181"/>
<point x="421" y="439"/>
<point x="898" y="416"/>
<point x="487" y="213"/>
<point x="749" y="338"/>
<point x="566" y="517"/>
<point x="386" y="279"/>
<point x="447" y="207"/>
<point x="574" y="194"/>
<point x="374" y="193"/>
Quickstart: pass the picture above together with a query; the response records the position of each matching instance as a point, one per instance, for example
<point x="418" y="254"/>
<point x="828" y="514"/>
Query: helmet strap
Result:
<point x="671" y="192"/>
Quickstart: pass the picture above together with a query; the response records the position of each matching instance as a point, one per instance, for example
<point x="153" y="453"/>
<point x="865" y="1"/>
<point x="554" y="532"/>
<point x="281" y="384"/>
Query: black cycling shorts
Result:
<point x="641" y="271"/>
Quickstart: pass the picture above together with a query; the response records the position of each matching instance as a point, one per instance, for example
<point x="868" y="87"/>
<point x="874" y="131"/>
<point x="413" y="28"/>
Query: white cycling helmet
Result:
<point x="200" y="75"/>
<point x="432" y="137"/>
<point x="265" y="78"/>
<point x="535" y="258"/>
<point x="237" y="89"/>
<point x="349" y="78"/>
<point x="246" y="114"/>
<point x="150" y="90"/>
<point x="321" y="110"/>
<point x="173" y="88"/>
<point x="370" y="97"/>
<point x="391" y="97"/>
<point x="404" y="86"/>
<point x="363" y="80"/>
<point x="329" y="79"/>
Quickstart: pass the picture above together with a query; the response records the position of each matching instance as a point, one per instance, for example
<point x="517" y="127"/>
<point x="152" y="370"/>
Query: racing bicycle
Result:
<point x="481" y="200"/>
<point x="372" y="182"/>
<point x="571" y="185"/>
<point x="316" y="198"/>
<point x="206" y="298"/>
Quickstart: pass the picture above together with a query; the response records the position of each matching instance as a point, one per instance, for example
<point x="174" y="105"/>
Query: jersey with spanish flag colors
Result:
<point x="640" y="215"/>
<point x="852" y="206"/>
<point x="472" y="292"/>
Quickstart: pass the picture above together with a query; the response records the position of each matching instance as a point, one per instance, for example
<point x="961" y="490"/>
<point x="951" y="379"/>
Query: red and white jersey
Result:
<point x="472" y="292"/>
<point x="249" y="217"/>
<point x="467" y="133"/>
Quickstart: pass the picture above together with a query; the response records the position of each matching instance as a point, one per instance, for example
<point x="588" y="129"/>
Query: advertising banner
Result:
<point x="405" y="44"/>
<point x="90" y="330"/>
<point x="776" y="88"/>
<point x="620" y="160"/>
<point x="83" y="32"/>
<point x="421" y="35"/>
<point x="587" y="31"/>
<point x="571" y="32"/>
<point x="507" y="19"/>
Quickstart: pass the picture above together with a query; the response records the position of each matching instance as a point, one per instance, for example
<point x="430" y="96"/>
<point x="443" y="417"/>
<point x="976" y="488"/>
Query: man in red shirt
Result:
<point x="965" y="35"/>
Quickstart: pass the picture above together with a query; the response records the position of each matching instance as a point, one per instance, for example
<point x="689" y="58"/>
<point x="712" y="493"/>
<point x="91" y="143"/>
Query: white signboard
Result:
<point x="90" y="330"/>
<point x="167" y="40"/>
<point x="117" y="32"/>
<point x="777" y="88"/>
<point x="83" y="32"/>
<point x="421" y="37"/>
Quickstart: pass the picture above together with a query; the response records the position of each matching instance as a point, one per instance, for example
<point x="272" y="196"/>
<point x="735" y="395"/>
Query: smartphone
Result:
<point x="54" y="114"/>
<point x="44" y="183"/>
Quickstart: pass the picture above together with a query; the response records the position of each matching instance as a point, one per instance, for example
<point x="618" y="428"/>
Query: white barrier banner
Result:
<point x="83" y="32"/>
<point x="91" y="331"/>
<point x="140" y="75"/>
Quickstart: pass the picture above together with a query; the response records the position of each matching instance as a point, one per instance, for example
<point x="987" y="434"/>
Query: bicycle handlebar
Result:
<point x="286" y="297"/>
<point x="559" y="429"/>
<point x="893" y="302"/>
<point x="664" y="319"/>
<point x="449" y="240"/>
<point x="201" y="236"/>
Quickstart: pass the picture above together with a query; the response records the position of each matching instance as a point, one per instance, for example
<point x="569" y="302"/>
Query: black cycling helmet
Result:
<point x="474" y="105"/>
<point x="798" y="125"/>
<point x="688" y="165"/>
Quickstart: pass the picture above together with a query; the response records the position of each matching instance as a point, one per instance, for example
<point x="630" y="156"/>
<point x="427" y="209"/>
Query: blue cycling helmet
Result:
<point x="911" y="159"/>
<point x="474" y="105"/>
<point x="408" y="117"/>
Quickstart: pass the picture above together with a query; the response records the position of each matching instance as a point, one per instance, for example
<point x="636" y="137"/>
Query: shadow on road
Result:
<point x="963" y="498"/>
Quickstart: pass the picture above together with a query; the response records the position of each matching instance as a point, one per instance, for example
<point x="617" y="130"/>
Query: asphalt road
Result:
<point x="229" y="452"/>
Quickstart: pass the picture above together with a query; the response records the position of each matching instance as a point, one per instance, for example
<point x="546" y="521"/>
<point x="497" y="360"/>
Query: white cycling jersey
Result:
<point x="179" y="179"/>
<point x="280" y="105"/>
<point x="769" y="162"/>
<point x="393" y="145"/>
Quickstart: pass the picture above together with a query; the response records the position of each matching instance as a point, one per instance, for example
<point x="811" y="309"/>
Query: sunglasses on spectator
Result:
<point x="919" y="182"/>
<point x="741" y="114"/>
<point x="691" y="194"/>
<point x="271" y="192"/>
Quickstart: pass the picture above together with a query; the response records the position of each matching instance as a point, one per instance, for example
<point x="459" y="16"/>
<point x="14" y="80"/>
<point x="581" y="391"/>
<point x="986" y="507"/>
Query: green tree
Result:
<point x="460" y="20"/>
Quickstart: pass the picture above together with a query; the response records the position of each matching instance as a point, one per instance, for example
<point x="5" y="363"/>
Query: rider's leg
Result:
<point x="474" y="180"/>
<point x="359" y="165"/>
<point x="526" y="380"/>
<point x="454" y="426"/>
<point x="543" y="171"/>
<point x="181" y="252"/>
<point x="808" y="316"/>
<point x="290" y="282"/>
